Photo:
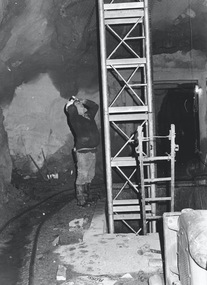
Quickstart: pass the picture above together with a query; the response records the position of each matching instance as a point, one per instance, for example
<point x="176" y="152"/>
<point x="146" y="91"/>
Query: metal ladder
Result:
<point x="149" y="198"/>
<point x="127" y="103"/>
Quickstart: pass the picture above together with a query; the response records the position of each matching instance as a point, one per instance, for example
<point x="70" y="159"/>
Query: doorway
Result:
<point x="177" y="103"/>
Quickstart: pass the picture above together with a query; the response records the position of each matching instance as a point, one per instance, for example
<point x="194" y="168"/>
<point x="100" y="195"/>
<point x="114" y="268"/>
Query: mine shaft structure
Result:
<point x="128" y="118"/>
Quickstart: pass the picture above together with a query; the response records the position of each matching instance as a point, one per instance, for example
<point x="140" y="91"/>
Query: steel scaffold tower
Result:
<point x="127" y="101"/>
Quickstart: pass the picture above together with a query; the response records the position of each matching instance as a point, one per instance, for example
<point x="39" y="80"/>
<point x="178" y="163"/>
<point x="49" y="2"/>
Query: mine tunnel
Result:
<point x="52" y="51"/>
<point x="179" y="105"/>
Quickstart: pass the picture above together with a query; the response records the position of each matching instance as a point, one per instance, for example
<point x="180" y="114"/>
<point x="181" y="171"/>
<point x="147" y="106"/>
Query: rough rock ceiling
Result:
<point x="179" y="25"/>
<point x="60" y="38"/>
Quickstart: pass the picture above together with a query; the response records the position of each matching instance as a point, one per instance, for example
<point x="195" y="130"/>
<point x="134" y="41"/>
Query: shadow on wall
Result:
<point x="194" y="197"/>
<point x="5" y="158"/>
<point x="179" y="106"/>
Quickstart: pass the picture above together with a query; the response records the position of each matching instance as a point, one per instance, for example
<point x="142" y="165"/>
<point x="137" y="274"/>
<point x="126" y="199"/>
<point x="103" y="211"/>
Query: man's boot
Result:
<point x="81" y="195"/>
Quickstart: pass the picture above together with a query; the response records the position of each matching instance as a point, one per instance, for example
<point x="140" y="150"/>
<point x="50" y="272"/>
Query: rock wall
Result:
<point x="5" y="158"/>
<point x="37" y="127"/>
<point x="48" y="52"/>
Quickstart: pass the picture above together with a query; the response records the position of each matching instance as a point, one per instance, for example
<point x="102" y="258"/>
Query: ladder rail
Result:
<point x="173" y="149"/>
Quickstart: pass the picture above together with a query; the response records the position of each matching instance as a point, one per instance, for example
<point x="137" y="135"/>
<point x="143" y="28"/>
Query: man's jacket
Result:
<point x="83" y="128"/>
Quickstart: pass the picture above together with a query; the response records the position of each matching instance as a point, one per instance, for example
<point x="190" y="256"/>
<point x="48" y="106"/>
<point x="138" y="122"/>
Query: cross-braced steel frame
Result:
<point x="126" y="74"/>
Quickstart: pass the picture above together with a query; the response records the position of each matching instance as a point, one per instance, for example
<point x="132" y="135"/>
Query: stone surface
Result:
<point x="36" y="115"/>
<point x="5" y="158"/>
<point x="36" y="125"/>
<point x="110" y="254"/>
<point x="61" y="273"/>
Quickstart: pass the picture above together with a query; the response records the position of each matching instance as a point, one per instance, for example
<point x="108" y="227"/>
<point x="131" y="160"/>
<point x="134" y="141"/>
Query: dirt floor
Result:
<point x="28" y="244"/>
<point x="41" y="231"/>
<point x="56" y="232"/>
<point x="26" y="193"/>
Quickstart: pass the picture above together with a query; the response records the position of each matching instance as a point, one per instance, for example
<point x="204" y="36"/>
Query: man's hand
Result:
<point x="83" y="101"/>
<point x="70" y="102"/>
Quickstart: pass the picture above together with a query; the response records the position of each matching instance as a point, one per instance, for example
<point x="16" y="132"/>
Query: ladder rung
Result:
<point x="157" y="199"/>
<point x="156" y="158"/>
<point x="125" y="62"/>
<point x="136" y="201"/>
<point x="128" y="109"/>
<point x="134" y="217"/>
<point x="123" y="161"/>
<point x="128" y="117"/>
<point x="157" y="179"/>
<point x="130" y="208"/>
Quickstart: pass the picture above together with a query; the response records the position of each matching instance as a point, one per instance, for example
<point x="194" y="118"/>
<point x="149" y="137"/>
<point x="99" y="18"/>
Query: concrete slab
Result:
<point x="98" y="224"/>
<point x="111" y="254"/>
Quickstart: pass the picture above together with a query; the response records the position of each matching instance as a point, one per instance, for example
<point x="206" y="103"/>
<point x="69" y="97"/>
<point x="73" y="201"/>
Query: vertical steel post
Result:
<point x="141" y="165"/>
<point x="151" y="125"/>
<point x="173" y="149"/>
<point x="107" y="142"/>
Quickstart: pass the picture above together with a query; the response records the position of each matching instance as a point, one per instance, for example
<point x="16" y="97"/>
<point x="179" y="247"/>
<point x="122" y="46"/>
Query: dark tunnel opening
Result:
<point x="178" y="105"/>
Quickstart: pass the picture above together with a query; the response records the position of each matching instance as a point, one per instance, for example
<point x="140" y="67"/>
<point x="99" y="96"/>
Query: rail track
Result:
<point x="18" y="243"/>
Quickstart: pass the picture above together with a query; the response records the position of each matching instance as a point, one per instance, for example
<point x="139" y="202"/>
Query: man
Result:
<point x="80" y="116"/>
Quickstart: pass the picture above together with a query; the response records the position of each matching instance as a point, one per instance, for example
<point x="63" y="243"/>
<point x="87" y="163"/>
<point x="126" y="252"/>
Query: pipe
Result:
<point x="107" y="142"/>
<point x="150" y="102"/>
